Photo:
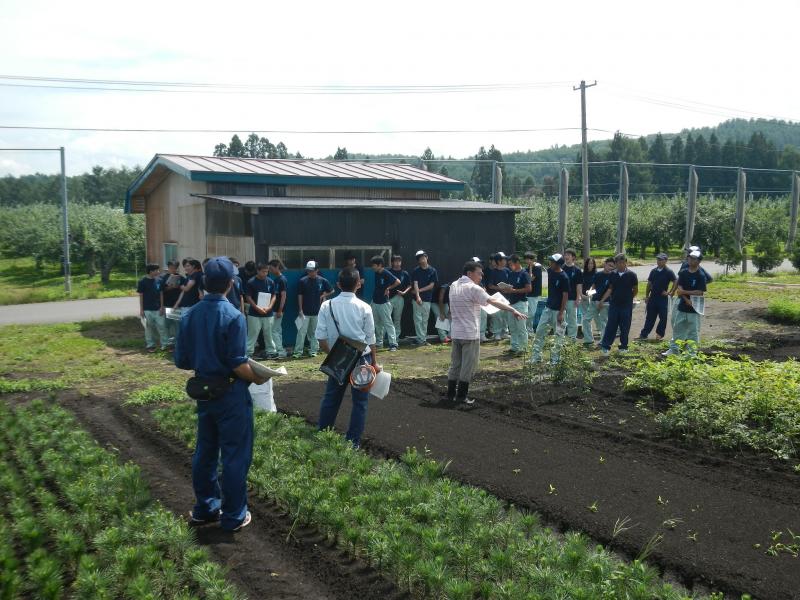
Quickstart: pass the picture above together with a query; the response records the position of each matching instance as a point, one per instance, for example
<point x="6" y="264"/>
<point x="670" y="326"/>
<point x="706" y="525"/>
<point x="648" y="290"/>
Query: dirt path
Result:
<point x="710" y="509"/>
<point x="260" y="560"/>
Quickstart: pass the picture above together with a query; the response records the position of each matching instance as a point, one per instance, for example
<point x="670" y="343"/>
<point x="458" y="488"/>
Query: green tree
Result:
<point x="341" y="154"/>
<point x="236" y="148"/>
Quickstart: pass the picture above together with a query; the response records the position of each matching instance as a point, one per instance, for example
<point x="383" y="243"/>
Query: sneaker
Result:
<point x="669" y="353"/>
<point x="604" y="351"/>
<point x="195" y="522"/>
<point x="247" y="518"/>
<point x="622" y="350"/>
<point x="659" y="338"/>
<point x="466" y="404"/>
<point x="151" y="350"/>
<point x="588" y="344"/>
<point x="641" y="339"/>
<point x="392" y="348"/>
<point x="312" y="354"/>
<point x="484" y="338"/>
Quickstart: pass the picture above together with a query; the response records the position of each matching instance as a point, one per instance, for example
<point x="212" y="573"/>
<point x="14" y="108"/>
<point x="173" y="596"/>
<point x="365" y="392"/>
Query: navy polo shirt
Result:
<point x="535" y="274"/>
<point x="622" y="287"/>
<point x="425" y="277"/>
<point x="280" y="285"/>
<point x="382" y="280"/>
<point x="150" y="289"/>
<point x="405" y="281"/>
<point x="708" y="277"/>
<point x="311" y="290"/>
<point x="575" y="276"/>
<point x="601" y="280"/>
<point x="192" y="296"/>
<point x="660" y="281"/>
<point x="171" y="294"/>
<point x="444" y="290"/>
<point x="519" y="279"/>
<point x="588" y="279"/>
<point x="212" y="339"/>
<point x="254" y="286"/>
<point x="235" y="295"/>
<point x="690" y="282"/>
<point x="557" y="284"/>
<point x="495" y="276"/>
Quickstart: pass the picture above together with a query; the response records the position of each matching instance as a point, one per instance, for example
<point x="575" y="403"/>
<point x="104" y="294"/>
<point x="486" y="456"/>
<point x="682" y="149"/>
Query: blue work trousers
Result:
<point x="618" y="317"/>
<point x="657" y="308"/>
<point x="225" y="427"/>
<point x="332" y="400"/>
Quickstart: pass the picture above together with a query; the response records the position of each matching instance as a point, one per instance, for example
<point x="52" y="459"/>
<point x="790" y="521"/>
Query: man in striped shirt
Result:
<point x="466" y="299"/>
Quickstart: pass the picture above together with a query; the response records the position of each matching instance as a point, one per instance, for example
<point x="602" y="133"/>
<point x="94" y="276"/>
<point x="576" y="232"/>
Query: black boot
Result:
<point x="451" y="391"/>
<point x="461" y="396"/>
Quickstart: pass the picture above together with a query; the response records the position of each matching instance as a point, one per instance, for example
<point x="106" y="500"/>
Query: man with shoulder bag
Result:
<point x="346" y="332"/>
<point x="212" y="341"/>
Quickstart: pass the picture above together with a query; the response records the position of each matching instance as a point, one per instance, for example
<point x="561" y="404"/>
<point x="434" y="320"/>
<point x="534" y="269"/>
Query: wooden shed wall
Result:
<point x="173" y="215"/>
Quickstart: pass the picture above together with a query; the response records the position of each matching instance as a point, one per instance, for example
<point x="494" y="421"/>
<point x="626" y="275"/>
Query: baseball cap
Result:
<point x="557" y="258"/>
<point x="694" y="248"/>
<point x="311" y="266"/>
<point x="662" y="256"/>
<point x="696" y="254"/>
<point x="501" y="255"/>
<point x="219" y="268"/>
<point x="420" y="253"/>
<point x="476" y="259"/>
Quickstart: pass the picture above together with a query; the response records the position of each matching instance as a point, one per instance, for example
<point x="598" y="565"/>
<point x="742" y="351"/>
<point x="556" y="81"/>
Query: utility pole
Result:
<point x="65" y="217"/>
<point x="585" y="167"/>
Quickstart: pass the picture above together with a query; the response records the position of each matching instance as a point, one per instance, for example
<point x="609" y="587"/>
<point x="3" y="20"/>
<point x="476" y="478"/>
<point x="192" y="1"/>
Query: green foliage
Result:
<point x="434" y="537"/>
<point x="10" y="386"/>
<point x="98" y="529"/>
<point x="794" y="255"/>
<point x="768" y="253"/>
<point x="162" y="393"/>
<point x="785" y="310"/>
<point x="732" y="403"/>
<point x="575" y="368"/>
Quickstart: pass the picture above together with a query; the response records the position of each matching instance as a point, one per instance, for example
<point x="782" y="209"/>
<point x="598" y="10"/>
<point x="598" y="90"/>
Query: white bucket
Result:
<point x="381" y="386"/>
<point x="262" y="396"/>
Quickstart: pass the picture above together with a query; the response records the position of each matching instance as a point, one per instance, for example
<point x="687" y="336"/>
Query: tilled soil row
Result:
<point x="710" y="508"/>
<point x="269" y="558"/>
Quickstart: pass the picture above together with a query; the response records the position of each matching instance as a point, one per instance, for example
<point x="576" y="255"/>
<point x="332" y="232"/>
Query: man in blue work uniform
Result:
<point x="424" y="278"/>
<point x="385" y="282"/>
<point x="660" y="286"/>
<point x="212" y="341"/>
<point x="397" y="296"/>
<point x="623" y="286"/>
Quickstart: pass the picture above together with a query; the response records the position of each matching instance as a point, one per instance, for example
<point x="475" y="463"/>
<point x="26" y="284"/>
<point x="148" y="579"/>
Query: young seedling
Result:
<point x="593" y="507"/>
<point x="552" y="491"/>
<point x="515" y="451"/>
<point x="621" y="526"/>
<point x="602" y="460"/>
<point x="516" y="471"/>
<point x="692" y="535"/>
<point x="672" y="523"/>
<point x="662" y="501"/>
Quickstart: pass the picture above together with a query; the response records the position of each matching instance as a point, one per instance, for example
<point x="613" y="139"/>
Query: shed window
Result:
<point x="296" y="257"/>
<point x="170" y="253"/>
<point x="247" y="189"/>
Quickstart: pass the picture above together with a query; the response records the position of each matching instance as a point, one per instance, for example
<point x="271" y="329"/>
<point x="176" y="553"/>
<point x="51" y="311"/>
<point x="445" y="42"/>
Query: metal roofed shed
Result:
<point x="296" y="210"/>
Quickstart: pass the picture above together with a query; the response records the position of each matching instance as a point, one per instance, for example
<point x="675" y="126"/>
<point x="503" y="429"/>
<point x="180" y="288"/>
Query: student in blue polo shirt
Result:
<point x="498" y="322"/>
<point x="553" y="313"/>
<point x="575" y="275"/>
<point x="676" y="300"/>
<point x="192" y="290"/>
<point x="587" y="279"/>
<point x="440" y="308"/>
<point x="149" y="290"/>
<point x="424" y="278"/>
<point x="661" y="285"/>
<point x="623" y="287"/>
<point x="397" y="296"/>
<point x="281" y="288"/>
<point x="535" y="307"/>
<point x="385" y="282"/>
<point x="351" y="262"/>
<point x="596" y="309"/>
<point x="686" y="327"/>
<point x="519" y="279"/>
<point x="171" y="283"/>
<point x="236" y="294"/>
<point x="259" y="318"/>
<point x="311" y="291"/>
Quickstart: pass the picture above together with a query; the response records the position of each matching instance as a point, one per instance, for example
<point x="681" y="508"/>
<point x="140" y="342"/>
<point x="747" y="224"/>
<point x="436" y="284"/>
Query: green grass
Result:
<point x="22" y="283"/>
<point x="785" y="310"/>
<point x="738" y="287"/>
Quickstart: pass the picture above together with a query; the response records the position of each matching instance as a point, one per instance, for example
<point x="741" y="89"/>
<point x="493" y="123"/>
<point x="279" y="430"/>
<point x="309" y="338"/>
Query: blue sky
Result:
<point x="714" y="59"/>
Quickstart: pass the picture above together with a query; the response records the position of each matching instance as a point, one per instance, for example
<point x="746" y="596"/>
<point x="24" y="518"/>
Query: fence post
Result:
<point x="563" y="199"/>
<point x="494" y="181"/>
<point x="793" y="210"/>
<point x="691" y="207"/>
<point x="622" y="226"/>
<point x="497" y="184"/>
<point x="738" y="228"/>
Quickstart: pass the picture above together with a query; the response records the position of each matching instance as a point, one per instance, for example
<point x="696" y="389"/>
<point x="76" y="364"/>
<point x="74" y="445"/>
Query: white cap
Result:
<point x="696" y="254"/>
<point x="694" y="248"/>
<point x="557" y="258"/>
<point x="476" y="259"/>
<point x="421" y="253"/>
<point x="501" y="255"/>
<point x="311" y="266"/>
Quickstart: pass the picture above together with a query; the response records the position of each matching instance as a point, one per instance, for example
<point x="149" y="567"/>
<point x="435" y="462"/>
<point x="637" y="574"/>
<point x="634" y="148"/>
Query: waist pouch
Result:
<point x="208" y="388"/>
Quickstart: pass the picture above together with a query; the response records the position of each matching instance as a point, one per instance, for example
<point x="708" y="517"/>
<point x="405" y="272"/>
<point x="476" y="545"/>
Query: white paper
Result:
<point x="383" y="382"/>
<point x="143" y="321"/>
<point x="591" y="293"/>
<point x="263" y="370"/>
<point x="443" y="324"/>
<point x="173" y="314"/>
<point x="505" y="286"/>
<point x="263" y="299"/>
<point x="298" y="322"/>
<point x="699" y="304"/>
<point x="489" y="309"/>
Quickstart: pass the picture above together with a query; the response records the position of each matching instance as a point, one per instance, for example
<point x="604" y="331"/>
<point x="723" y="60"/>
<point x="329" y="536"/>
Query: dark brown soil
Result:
<point x="598" y="449"/>
<point x="268" y="559"/>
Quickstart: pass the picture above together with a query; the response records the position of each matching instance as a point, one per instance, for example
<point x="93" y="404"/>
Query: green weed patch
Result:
<point x="785" y="310"/>
<point x="163" y="393"/>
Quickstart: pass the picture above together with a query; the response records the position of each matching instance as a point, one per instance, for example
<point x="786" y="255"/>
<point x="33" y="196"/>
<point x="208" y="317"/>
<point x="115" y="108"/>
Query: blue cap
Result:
<point x="219" y="268"/>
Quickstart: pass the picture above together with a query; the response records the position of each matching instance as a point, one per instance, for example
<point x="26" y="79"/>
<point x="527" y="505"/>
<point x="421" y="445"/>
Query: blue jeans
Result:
<point x="657" y="307"/>
<point x="226" y="426"/>
<point x="618" y="317"/>
<point x="332" y="400"/>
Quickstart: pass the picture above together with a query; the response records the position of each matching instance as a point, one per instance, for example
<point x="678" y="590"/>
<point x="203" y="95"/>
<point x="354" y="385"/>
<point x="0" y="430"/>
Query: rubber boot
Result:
<point x="451" y="390"/>
<point x="461" y="396"/>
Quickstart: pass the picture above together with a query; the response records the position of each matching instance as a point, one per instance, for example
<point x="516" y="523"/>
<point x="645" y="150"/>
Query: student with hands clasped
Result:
<point x="385" y="282"/>
<point x="623" y="286"/>
<point x="424" y="278"/>
<point x="553" y="314"/>
<point x="259" y="318"/>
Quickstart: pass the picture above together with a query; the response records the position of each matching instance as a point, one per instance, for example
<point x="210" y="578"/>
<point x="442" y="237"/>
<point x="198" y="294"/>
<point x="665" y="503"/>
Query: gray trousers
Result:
<point x="464" y="357"/>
